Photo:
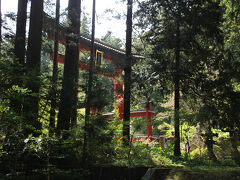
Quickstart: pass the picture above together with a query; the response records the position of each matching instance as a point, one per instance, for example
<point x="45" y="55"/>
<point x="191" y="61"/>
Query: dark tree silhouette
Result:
<point x="127" y="75"/>
<point x="68" y="103"/>
<point x="0" y="26"/>
<point x="20" y="39"/>
<point x="177" y="151"/>
<point x="33" y="62"/>
<point x="55" y="70"/>
<point x="19" y="50"/>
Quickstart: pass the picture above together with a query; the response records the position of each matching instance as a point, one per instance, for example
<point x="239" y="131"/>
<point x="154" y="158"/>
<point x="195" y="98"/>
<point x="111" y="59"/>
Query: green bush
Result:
<point x="202" y="153"/>
<point x="228" y="162"/>
<point x="100" y="140"/>
<point x="199" y="153"/>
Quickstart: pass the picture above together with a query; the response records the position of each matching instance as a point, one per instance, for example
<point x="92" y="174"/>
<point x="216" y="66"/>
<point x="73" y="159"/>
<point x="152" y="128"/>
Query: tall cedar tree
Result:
<point x="229" y="113"/>
<point x="127" y="75"/>
<point x="55" y="70"/>
<point x="179" y="29"/>
<point x="20" y="38"/>
<point x="19" y="48"/>
<point x="33" y="62"/>
<point x="177" y="151"/>
<point x="68" y="102"/>
<point x="0" y="25"/>
<point x="90" y="84"/>
<point x="165" y="30"/>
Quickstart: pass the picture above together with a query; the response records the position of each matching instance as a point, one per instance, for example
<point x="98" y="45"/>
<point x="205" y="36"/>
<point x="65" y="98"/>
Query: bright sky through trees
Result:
<point x="105" y="21"/>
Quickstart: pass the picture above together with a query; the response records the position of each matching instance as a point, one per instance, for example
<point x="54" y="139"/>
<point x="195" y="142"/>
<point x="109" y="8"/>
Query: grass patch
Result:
<point x="205" y="172"/>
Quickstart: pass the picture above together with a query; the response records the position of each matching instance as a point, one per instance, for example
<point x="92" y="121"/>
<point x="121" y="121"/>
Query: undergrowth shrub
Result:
<point x="202" y="153"/>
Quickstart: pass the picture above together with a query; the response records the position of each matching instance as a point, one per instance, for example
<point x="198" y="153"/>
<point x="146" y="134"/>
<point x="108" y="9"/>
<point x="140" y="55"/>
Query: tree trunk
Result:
<point x="75" y="95"/>
<point x="177" y="151"/>
<point x="19" y="50"/>
<point x="33" y="62"/>
<point x="35" y="37"/>
<point x="55" y="71"/>
<point x="209" y="143"/>
<point x="70" y="77"/>
<point x="127" y="75"/>
<point x="0" y="26"/>
<point x="20" y="39"/>
<point x="90" y="84"/>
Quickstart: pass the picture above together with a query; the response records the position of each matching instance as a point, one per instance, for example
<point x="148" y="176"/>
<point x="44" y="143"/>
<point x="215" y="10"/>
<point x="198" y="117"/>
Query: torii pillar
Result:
<point x="148" y="118"/>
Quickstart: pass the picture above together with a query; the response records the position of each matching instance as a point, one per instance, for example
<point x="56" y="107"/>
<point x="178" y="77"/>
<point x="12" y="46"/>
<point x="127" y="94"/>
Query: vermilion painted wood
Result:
<point x="82" y="66"/>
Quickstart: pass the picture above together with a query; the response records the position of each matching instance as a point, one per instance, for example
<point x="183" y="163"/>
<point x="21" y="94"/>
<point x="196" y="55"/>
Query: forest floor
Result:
<point x="204" y="173"/>
<point x="137" y="173"/>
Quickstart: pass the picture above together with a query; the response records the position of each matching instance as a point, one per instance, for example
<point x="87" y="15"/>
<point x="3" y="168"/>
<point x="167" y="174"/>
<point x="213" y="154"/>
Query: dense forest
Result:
<point x="161" y="104"/>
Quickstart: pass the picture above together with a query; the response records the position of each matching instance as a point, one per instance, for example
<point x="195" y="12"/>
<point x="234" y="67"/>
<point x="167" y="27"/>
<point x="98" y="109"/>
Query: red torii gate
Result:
<point x="111" y="54"/>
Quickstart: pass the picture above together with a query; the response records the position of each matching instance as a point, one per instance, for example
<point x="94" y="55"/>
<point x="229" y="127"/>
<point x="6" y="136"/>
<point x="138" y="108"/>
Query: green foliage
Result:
<point x="228" y="162"/>
<point x="162" y="156"/>
<point x="9" y="117"/>
<point x="220" y="152"/>
<point x="111" y="40"/>
<point x="100" y="140"/>
<point x="14" y="129"/>
<point x="142" y="153"/>
<point x="85" y="24"/>
<point x="199" y="153"/>
<point x="210" y="63"/>
<point x="165" y="129"/>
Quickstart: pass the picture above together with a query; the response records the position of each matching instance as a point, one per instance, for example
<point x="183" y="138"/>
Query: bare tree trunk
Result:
<point x="127" y="75"/>
<point x="33" y="62"/>
<point x="20" y="39"/>
<point x="90" y="84"/>
<point x="55" y="71"/>
<point x="70" y="77"/>
<point x="35" y="36"/>
<point x="19" y="50"/>
<point x="177" y="151"/>
<point x="0" y="26"/>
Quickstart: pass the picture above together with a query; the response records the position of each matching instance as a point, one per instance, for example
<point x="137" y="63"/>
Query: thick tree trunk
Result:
<point x="19" y="50"/>
<point x="75" y="95"/>
<point x="90" y="84"/>
<point x="33" y="62"/>
<point x="70" y="77"/>
<point x="20" y="40"/>
<point x="35" y="36"/>
<point x="127" y="75"/>
<point x="177" y="151"/>
<point x="55" y="71"/>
